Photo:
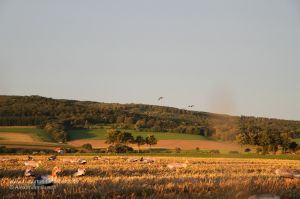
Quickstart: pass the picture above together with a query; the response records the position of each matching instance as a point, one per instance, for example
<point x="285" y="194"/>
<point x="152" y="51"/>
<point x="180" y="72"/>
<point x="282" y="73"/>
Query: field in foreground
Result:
<point x="117" y="178"/>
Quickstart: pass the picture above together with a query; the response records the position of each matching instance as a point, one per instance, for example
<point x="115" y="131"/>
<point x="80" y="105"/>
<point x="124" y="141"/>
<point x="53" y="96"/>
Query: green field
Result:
<point x="101" y="134"/>
<point x="36" y="133"/>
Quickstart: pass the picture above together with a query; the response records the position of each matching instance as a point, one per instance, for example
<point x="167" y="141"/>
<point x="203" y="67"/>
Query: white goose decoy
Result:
<point x="52" y="157"/>
<point x="246" y="195"/>
<point x="288" y="173"/>
<point x="133" y="159"/>
<point x="9" y="160"/>
<point x="146" y="160"/>
<point x="33" y="164"/>
<point x="177" y="165"/>
<point x="29" y="172"/>
<point x="264" y="196"/>
<point x="79" y="172"/>
<point x="47" y="180"/>
<point x="96" y="158"/>
<point x="82" y="161"/>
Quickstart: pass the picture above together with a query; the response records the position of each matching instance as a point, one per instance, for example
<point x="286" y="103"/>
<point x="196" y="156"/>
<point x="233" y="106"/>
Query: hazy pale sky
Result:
<point x="235" y="57"/>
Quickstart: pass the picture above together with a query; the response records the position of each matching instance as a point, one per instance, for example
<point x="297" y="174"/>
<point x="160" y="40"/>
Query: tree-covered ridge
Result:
<point x="59" y="115"/>
<point x="34" y="110"/>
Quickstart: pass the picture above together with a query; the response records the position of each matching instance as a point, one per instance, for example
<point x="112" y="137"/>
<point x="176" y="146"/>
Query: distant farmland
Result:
<point x="25" y="137"/>
<point x="96" y="137"/>
<point x="34" y="133"/>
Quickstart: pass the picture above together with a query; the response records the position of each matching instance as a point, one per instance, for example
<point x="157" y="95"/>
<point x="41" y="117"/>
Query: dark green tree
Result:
<point x="151" y="140"/>
<point x="139" y="141"/>
<point x="293" y="146"/>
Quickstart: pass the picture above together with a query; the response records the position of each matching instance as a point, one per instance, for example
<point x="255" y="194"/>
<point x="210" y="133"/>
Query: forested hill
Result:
<point x="58" y="115"/>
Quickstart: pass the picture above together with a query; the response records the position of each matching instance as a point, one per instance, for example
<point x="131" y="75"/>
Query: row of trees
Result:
<point x="263" y="133"/>
<point x="118" y="138"/>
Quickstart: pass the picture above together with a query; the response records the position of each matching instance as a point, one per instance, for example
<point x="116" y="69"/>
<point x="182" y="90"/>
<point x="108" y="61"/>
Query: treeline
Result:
<point x="270" y="134"/>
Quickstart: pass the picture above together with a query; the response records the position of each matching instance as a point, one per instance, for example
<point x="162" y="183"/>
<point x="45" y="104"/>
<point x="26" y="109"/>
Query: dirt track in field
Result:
<point x="171" y="144"/>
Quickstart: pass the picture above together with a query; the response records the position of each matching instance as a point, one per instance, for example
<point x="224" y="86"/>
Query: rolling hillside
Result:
<point x="59" y="117"/>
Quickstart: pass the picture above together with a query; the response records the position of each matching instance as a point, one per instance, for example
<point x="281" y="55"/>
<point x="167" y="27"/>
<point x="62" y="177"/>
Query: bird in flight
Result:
<point x="160" y="98"/>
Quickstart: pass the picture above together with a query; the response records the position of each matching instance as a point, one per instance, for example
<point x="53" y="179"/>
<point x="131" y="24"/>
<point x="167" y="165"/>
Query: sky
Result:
<point x="233" y="57"/>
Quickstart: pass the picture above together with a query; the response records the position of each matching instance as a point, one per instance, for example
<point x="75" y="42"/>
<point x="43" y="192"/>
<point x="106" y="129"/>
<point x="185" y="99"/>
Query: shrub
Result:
<point x="293" y="146"/>
<point x="197" y="149"/>
<point x="259" y="150"/>
<point x="247" y="150"/>
<point x="119" y="148"/>
<point x="87" y="147"/>
<point x="177" y="150"/>
<point x="215" y="151"/>
<point x="70" y="150"/>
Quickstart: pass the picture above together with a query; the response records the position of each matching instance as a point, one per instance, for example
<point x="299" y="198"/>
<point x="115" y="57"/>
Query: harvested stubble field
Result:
<point x="118" y="178"/>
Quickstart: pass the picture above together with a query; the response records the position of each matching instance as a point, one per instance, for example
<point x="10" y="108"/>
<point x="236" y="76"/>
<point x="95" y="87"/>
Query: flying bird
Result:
<point x="160" y="98"/>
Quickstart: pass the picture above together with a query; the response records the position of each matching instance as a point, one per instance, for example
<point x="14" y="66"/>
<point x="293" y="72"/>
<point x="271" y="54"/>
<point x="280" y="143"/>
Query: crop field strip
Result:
<point x="205" y="178"/>
<point x="36" y="134"/>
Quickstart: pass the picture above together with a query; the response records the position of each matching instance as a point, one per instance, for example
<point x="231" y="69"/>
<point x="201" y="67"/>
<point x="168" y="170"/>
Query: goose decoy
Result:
<point x="79" y="172"/>
<point x="287" y="173"/>
<point x="264" y="196"/>
<point x="96" y="158"/>
<point x="133" y="159"/>
<point x="32" y="163"/>
<point x="29" y="158"/>
<point x="47" y="180"/>
<point x="52" y="157"/>
<point x="146" y="160"/>
<point x="177" y="165"/>
<point x="82" y="161"/>
<point x="245" y="195"/>
<point x="29" y="172"/>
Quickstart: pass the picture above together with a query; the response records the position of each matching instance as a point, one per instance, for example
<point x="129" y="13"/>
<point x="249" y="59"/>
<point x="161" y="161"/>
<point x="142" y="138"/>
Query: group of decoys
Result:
<point x="48" y="180"/>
